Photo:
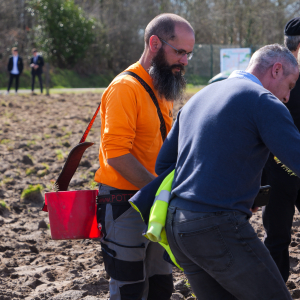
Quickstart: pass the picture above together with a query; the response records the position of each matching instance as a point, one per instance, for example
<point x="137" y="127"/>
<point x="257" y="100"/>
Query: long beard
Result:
<point x="170" y="86"/>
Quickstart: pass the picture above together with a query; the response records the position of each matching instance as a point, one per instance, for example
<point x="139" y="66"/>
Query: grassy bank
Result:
<point x="70" y="79"/>
<point x="60" y="79"/>
<point x="196" y="80"/>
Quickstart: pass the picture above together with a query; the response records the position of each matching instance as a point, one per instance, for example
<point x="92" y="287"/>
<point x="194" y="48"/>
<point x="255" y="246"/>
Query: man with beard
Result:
<point x="136" y="115"/>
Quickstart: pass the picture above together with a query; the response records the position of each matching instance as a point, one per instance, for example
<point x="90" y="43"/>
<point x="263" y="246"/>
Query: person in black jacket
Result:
<point x="15" y="68"/>
<point x="36" y="64"/>
<point x="284" y="196"/>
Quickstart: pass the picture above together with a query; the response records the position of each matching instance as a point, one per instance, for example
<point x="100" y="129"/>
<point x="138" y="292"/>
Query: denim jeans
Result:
<point x="222" y="256"/>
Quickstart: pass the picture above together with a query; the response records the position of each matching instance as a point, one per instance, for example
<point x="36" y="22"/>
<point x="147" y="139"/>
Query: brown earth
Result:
<point x="37" y="133"/>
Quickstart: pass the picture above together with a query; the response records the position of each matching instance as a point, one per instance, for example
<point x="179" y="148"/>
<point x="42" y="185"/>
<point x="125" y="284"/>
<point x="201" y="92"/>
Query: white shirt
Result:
<point x="15" y="69"/>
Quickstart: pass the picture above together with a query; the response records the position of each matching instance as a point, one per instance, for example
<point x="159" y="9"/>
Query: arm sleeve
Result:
<point x="167" y="155"/>
<point x="278" y="131"/>
<point x="42" y="61"/>
<point x="120" y="121"/>
<point x="21" y="65"/>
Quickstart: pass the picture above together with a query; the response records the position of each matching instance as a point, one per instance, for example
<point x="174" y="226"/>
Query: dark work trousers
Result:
<point x="136" y="266"/>
<point x="222" y="256"/>
<point x="33" y="81"/>
<point x="11" y="78"/>
<point x="278" y="214"/>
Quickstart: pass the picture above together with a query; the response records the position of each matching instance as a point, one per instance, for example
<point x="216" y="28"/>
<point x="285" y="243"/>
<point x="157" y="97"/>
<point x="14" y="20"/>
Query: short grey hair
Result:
<point x="292" y="42"/>
<point x="265" y="57"/>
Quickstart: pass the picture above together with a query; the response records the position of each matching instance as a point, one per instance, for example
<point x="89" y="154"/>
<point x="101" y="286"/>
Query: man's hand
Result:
<point x="36" y="66"/>
<point x="131" y="169"/>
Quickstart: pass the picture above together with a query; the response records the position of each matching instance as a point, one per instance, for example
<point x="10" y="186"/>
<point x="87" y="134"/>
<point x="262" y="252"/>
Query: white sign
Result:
<point x="234" y="59"/>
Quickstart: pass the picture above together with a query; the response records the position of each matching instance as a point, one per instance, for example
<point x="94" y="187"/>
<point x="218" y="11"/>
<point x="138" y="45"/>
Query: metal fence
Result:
<point x="206" y="59"/>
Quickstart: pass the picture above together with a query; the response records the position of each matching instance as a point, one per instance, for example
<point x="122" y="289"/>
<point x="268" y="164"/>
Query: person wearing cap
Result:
<point x="36" y="64"/>
<point x="278" y="214"/>
<point x="15" y="68"/>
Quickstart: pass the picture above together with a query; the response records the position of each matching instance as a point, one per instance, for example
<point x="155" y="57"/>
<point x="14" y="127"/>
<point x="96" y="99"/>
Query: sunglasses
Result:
<point x="180" y="53"/>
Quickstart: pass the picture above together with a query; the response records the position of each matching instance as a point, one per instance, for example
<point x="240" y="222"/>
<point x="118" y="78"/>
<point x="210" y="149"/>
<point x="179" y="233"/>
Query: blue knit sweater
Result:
<point x="220" y="142"/>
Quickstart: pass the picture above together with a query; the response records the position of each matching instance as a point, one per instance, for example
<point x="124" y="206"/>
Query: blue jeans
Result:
<point x="222" y="256"/>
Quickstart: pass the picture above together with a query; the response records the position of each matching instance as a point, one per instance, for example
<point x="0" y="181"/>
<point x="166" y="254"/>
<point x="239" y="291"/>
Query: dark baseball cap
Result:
<point x="292" y="27"/>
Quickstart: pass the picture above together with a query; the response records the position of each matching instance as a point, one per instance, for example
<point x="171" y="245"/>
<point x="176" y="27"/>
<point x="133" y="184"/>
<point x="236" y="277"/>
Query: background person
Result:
<point x="220" y="143"/>
<point x="130" y="141"/>
<point x="36" y="64"/>
<point x="278" y="214"/>
<point x="15" y="68"/>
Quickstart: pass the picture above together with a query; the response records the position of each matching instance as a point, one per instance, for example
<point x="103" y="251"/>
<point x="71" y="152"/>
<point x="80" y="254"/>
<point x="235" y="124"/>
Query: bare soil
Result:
<point x="36" y="135"/>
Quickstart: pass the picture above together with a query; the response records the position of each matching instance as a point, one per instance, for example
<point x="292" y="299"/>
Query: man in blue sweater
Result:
<point x="220" y="142"/>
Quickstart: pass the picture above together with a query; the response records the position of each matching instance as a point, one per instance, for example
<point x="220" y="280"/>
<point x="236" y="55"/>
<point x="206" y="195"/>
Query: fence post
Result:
<point x="211" y="61"/>
<point x="47" y="79"/>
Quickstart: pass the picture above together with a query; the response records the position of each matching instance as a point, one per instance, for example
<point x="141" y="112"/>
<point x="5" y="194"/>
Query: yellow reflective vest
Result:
<point x="156" y="228"/>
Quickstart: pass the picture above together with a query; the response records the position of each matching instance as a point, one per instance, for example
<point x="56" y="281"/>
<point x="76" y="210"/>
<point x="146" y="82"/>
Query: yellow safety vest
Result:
<point x="158" y="214"/>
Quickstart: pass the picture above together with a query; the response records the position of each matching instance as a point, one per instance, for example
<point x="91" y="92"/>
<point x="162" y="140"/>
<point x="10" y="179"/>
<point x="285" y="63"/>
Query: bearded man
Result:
<point x="136" y="115"/>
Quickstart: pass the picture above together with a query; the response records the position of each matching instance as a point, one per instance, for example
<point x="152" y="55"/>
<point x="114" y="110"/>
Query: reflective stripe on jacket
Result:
<point x="158" y="214"/>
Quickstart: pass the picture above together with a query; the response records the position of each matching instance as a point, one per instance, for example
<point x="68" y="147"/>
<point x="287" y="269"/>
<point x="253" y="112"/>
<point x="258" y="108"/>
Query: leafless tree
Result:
<point x="121" y="23"/>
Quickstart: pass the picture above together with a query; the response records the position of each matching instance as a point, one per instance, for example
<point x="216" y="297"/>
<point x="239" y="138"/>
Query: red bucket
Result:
<point x="72" y="214"/>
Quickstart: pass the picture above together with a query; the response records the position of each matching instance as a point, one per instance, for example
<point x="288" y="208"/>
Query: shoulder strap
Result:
<point x="163" y="129"/>
<point x="76" y="153"/>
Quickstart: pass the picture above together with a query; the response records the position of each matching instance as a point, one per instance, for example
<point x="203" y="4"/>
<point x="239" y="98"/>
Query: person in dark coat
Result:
<point x="284" y="197"/>
<point x="15" y="68"/>
<point x="36" y="64"/>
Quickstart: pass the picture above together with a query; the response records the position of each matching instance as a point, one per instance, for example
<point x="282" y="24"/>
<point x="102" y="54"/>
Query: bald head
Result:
<point x="264" y="58"/>
<point x="164" y="26"/>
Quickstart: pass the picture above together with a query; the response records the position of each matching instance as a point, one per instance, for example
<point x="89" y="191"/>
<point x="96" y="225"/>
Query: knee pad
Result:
<point x="160" y="287"/>
<point x="132" y="291"/>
